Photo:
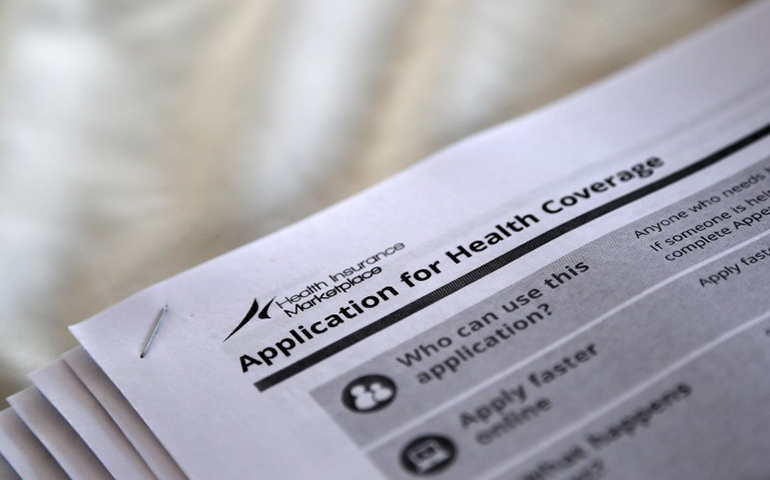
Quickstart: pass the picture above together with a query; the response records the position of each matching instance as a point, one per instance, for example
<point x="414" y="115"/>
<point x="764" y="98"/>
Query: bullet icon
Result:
<point x="369" y="393"/>
<point x="428" y="454"/>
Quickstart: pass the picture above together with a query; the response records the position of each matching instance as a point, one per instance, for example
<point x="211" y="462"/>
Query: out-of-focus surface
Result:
<point x="140" y="138"/>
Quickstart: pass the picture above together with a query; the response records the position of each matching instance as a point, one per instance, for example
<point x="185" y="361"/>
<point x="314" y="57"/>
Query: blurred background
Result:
<point x="139" y="138"/>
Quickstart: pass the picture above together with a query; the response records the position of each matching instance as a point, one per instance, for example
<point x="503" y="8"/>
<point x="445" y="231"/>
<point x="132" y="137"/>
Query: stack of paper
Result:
<point x="75" y="423"/>
<point x="578" y="294"/>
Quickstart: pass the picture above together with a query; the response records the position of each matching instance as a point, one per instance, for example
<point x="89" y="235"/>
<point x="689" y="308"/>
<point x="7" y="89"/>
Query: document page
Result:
<point x="26" y="456"/>
<point x="578" y="294"/>
<point x="6" y="470"/>
<point x="56" y="435"/>
<point x="124" y="416"/>
<point x="70" y="397"/>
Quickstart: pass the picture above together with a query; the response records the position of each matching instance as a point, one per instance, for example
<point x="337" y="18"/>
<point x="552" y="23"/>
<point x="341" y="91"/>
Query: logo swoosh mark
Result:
<point x="263" y="314"/>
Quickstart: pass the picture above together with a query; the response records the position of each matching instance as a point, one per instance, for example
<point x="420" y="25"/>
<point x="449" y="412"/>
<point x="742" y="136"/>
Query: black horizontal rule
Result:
<point x="505" y="259"/>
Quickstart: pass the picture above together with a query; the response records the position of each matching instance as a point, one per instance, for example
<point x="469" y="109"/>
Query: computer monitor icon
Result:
<point x="428" y="454"/>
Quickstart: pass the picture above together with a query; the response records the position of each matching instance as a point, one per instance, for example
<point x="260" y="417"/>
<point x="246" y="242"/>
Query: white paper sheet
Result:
<point x="62" y="388"/>
<point x="24" y="452"/>
<point x="594" y="219"/>
<point x="6" y="470"/>
<point x="126" y="418"/>
<point x="61" y="440"/>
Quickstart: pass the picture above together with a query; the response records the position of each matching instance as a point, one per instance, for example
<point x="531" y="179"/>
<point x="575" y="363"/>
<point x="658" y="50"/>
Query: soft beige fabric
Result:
<point x="141" y="137"/>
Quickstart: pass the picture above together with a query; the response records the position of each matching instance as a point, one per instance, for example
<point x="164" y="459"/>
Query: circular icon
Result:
<point x="369" y="393"/>
<point x="428" y="454"/>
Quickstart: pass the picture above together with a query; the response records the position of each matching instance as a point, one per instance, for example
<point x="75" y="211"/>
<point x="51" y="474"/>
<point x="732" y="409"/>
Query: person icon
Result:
<point x="381" y="393"/>
<point x="363" y="398"/>
<point x="369" y="393"/>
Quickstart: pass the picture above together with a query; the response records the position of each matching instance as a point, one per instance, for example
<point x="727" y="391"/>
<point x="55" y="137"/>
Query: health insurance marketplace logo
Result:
<point x="314" y="294"/>
<point x="263" y="314"/>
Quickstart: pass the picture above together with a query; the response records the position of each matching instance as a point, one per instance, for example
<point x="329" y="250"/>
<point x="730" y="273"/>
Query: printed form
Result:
<point x="578" y="294"/>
